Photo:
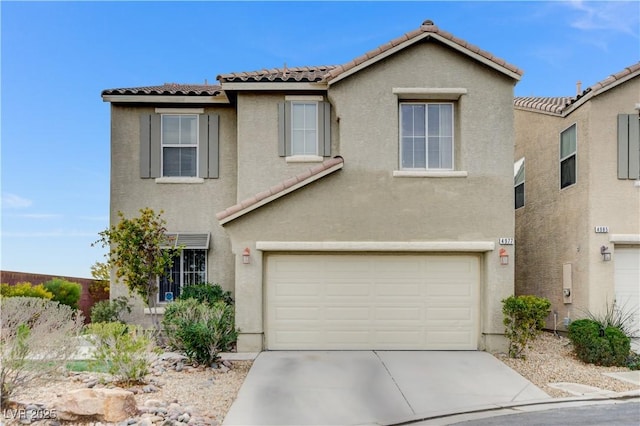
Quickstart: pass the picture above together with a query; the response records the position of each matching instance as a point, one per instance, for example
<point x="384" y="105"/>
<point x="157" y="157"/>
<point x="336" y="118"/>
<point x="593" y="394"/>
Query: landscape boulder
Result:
<point x="108" y="405"/>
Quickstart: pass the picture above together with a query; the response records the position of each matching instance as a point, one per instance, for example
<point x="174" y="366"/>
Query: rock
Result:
<point x="224" y="369"/>
<point x="92" y="384"/>
<point x="227" y="363"/>
<point x="179" y="367"/>
<point x="153" y="403"/>
<point x="145" y="422"/>
<point x="109" y="405"/>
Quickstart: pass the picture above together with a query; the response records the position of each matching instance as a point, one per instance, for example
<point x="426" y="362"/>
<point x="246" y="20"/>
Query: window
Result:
<point x="628" y="146"/>
<point x="518" y="182"/>
<point x="568" y="146"/>
<point x="304" y="127"/>
<point x="189" y="267"/>
<point x="179" y="143"/>
<point x="426" y="136"/>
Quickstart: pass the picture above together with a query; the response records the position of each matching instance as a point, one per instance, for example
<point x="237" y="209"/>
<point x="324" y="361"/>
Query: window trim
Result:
<point x="196" y="145"/>
<point x="562" y="159"/>
<point x="427" y="169"/>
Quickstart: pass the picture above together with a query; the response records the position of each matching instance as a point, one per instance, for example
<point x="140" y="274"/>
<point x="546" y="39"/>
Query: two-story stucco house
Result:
<point x="577" y="198"/>
<point x="358" y="206"/>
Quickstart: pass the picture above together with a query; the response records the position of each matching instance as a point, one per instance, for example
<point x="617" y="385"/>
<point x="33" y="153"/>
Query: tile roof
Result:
<point x="169" y="89"/>
<point x="289" y="185"/>
<point x="330" y="72"/>
<point x="309" y="74"/>
<point x="431" y="29"/>
<point x="565" y="104"/>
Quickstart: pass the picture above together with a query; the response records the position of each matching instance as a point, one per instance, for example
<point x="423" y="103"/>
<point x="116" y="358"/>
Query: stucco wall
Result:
<point x="557" y="226"/>
<point x="186" y="207"/>
<point x="364" y="202"/>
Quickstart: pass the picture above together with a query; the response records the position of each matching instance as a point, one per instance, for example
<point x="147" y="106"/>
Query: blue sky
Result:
<point x="57" y="57"/>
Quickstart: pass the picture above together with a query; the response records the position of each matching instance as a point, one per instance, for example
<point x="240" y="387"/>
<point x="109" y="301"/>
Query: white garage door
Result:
<point x="627" y="279"/>
<point x="347" y="301"/>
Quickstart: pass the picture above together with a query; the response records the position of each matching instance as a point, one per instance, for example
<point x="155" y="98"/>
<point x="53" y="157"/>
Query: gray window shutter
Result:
<point x="282" y="142"/>
<point x="628" y="146"/>
<point x="208" y="148"/>
<point x="155" y="146"/>
<point x="145" y="146"/>
<point x="149" y="146"/>
<point x="324" y="129"/>
<point x="634" y="147"/>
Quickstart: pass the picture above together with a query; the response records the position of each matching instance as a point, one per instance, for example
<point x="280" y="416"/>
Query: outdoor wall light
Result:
<point x="504" y="257"/>
<point x="606" y="254"/>
<point x="246" y="256"/>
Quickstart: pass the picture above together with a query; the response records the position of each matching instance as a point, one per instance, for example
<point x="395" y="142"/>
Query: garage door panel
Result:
<point x="346" y="301"/>
<point x="627" y="282"/>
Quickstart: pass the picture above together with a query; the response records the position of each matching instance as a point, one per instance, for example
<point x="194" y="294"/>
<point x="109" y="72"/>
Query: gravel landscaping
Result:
<point x="549" y="359"/>
<point x="179" y="394"/>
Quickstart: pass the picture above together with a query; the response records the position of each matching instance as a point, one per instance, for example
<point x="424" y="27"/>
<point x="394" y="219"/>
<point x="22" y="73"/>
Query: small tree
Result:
<point x="99" y="288"/>
<point x="137" y="254"/>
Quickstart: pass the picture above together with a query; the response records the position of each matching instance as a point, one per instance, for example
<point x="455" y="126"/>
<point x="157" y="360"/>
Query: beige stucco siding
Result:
<point x="364" y="201"/>
<point x="186" y="207"/>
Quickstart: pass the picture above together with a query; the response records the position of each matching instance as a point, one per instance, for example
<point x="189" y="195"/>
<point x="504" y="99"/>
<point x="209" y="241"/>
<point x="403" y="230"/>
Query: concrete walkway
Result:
<point x="365" y="387"/>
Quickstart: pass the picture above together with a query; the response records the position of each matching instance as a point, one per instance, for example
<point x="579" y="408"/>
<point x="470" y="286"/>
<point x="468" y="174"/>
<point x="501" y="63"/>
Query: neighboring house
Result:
<point x="358" y="206"/>
<point x="577" y="197"/>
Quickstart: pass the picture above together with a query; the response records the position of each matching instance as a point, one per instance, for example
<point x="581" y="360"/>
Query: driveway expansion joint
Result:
<point x="394" y="382"/>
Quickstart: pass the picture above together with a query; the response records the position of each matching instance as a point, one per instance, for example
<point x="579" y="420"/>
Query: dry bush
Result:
<point x="37" y="338"/>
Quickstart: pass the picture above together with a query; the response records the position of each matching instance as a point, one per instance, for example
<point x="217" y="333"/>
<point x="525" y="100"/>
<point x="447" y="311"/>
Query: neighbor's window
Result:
<point x="179" y="145"/>
<point x="304" y="128"/>
<point x="189" y="267"/>
<point x="426" y="136"/>
<point x="568" y="144"/>
<point x="518" y="182"/>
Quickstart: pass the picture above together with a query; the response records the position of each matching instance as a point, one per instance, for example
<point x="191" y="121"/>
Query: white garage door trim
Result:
<point x="626" y="279"/>
<point x="365" y="301"/>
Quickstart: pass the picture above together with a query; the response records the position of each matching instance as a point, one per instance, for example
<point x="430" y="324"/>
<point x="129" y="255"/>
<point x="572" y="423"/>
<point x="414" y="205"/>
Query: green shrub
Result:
<point x="595" y="344"/>
<point x="524" y="318"/>
<point x="110" y="310"/>
<point x="65" y="292"/>
<point x="614" y="315"/>
<point x="125" y="349"/>
<point x="25" y="290"/>
<point x="199" y="330"/>
<point x="209" y="293"/>
<point x="633" y="361"/>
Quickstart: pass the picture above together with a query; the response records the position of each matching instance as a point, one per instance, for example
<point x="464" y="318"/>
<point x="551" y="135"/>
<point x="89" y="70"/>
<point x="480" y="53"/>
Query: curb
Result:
<point x="551" y="403"/>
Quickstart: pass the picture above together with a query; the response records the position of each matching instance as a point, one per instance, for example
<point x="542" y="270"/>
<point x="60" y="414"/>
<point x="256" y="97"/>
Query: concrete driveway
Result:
<point x="372" y="387"/>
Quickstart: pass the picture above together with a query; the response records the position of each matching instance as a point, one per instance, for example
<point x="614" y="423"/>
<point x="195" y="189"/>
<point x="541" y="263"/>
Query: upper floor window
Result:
<point x="518" y="182"/>
<point x="179" y="145"/>
<point x="426" y="136"/>
<point x="568" y="148"/>
<point x="304" y="127"/>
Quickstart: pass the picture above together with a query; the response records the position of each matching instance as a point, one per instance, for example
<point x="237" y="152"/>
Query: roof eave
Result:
<point x="516" y="76"/>
<point x="167" y="99"/>
<point x="286" y="191"/>
<point x="265" y="85"/>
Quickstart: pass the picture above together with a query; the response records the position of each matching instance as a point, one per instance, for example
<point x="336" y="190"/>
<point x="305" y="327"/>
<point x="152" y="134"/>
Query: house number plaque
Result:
<point x="602" y="229"/>
<point x="506" y="241"/>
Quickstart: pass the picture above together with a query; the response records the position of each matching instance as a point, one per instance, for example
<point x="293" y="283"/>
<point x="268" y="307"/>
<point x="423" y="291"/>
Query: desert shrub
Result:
<point x="199" y="330"/>
<point x="110" y="310"/>
<point x="125" y="349"/>
<point x="633" y="361"/>
<point x="25" y="289"/>
<point x="524" y="318"/>
<point x="37" y="338"/>
<point x="616" y="316"/>
<point x="65" y="292"/>
<point x="209" y="293"/>
<point x="595" y="344"/>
